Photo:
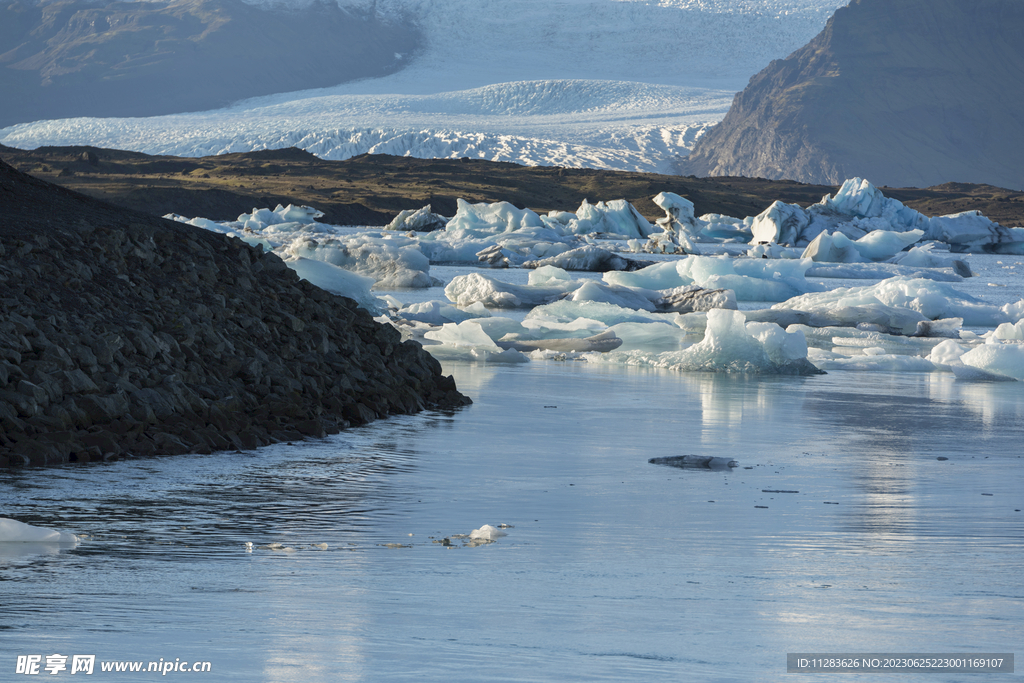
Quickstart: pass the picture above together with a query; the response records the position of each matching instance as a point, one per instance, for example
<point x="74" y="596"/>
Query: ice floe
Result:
<point x="13" y="531"/>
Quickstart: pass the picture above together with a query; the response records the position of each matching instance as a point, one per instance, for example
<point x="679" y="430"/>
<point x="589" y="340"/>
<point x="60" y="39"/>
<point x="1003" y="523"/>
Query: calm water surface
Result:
<point x="616" y="569"/>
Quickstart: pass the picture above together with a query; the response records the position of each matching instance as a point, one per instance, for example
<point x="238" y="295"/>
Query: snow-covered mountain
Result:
<point x="626" y="84"/>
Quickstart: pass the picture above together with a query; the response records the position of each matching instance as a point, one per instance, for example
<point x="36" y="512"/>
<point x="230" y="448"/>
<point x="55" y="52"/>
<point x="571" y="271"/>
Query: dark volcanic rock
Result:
<point x="81" y="58"/>
<point x="901" y="92"/>
<point x="121" y="333"/>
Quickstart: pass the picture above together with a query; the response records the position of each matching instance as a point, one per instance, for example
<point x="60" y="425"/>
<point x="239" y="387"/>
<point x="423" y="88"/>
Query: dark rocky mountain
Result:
<point x="126" y="334"/>
<point x="901" y="92"/>
<point x="69" y="58"/>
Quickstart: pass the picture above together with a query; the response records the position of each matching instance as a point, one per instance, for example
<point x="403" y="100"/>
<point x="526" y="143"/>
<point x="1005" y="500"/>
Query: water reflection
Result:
<point x="610" y="560"/>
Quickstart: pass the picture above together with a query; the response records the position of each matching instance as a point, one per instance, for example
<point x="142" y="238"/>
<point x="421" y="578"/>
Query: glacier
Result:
<point x="578" y="83"/>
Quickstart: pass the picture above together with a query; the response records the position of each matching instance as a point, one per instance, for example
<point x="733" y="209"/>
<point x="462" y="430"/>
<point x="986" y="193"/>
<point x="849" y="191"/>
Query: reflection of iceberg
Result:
<point x="13" y="531"/>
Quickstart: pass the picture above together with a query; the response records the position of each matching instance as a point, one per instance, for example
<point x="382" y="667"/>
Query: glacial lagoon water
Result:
<point x="614" y="568"/>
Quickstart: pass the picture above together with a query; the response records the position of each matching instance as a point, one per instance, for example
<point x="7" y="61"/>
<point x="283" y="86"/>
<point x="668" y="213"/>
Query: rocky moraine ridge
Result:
<point x="121" y="333"/>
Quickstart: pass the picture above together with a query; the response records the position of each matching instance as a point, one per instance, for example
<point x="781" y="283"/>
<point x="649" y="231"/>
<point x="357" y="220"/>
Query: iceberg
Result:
<point x="679" y="224"/>
<point x="728" y="346"/>
<point x="419" y="220"/>
<point x="749" y="279"/>
<point x="617" y="217"/>
<point x="392" y="262"/>
<point x="488" y="219"/>
<point x="929" y="299"/>
<point x="13" y="531"/>
<point x="998" y="358"/>
<point x="338" y="281"/>
<point x="859" y="209"/>
<point x="588" y="258"/>
<point x="465" y="290"/>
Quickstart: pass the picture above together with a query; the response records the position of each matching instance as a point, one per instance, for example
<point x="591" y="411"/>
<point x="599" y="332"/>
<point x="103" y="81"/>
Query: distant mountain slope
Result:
<point x="902" y="92"/>
<point x="71" y="58"/>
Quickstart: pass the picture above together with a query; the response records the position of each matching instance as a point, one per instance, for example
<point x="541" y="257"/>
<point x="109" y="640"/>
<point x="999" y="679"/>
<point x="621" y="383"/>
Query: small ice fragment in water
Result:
<point x="486" y="533"/>
<point x="248" y="546"/>
<point x="320" y="546"/>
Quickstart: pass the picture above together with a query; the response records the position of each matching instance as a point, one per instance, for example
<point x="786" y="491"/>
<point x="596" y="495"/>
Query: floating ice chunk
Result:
<point x="1010" y="331"/>
<point x="835" y="248"/>
<point x="946" y="353"/>
<point x="932" y="300"/>
<point x="780" y="223"/>
<point x="693" y="298"/>
<point x="859" y="209"/>
<point x="782" y="346"/>
<point x="997" y="358"/>
<point x="13" y="531"/>
<point x="969" y="230"/>
<point x="884" y="271"/>
<point x="609" y="314"/>
<point x="727" y="347"/>
<point x="860" y="339"/>
<point x="548" y="274"/>
<point x="648" y="337"/>
<point x="770" y="251"/>
<point x="464" y="290"/>
<point x="588" y="258"/>
<point x="619" y="296"/>
<point x="924" y="257"/>
<point x="420" y="220"/>
<point x="261" y="218"/>
<point x="658" y="276"/>
<point x="484" y="218"/>
<point x="441" y="312"/>
<point x="486" y="533"/>
<point x="338" y="281"/>
<point x="750" y="279"/>
<point x="968" y="373"/>
<point x="599" y="343"/>
<point x="468" y="341"/>
<point x="870" y="363"/>
<point x="717" y="227"/>
<point x="879" y="245"/>
<point x="679" y="225"/>
<point x="395" y="263"/>
<point x="468" y="333"/>
<point x="617" y="217"/>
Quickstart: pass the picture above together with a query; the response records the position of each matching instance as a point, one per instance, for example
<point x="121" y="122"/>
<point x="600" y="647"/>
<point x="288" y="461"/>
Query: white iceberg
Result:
<point x="486" y="533"/>
<point x="419" y="220"/>
<point x="728" y="346"/>
<point x="859" y="208"/>
<point x="392" y="262"/>
<point x="931" y="300"/>
<point x="488" y="219"/>
<point x="338" y="281"/>
<point x="13" y="531"/>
